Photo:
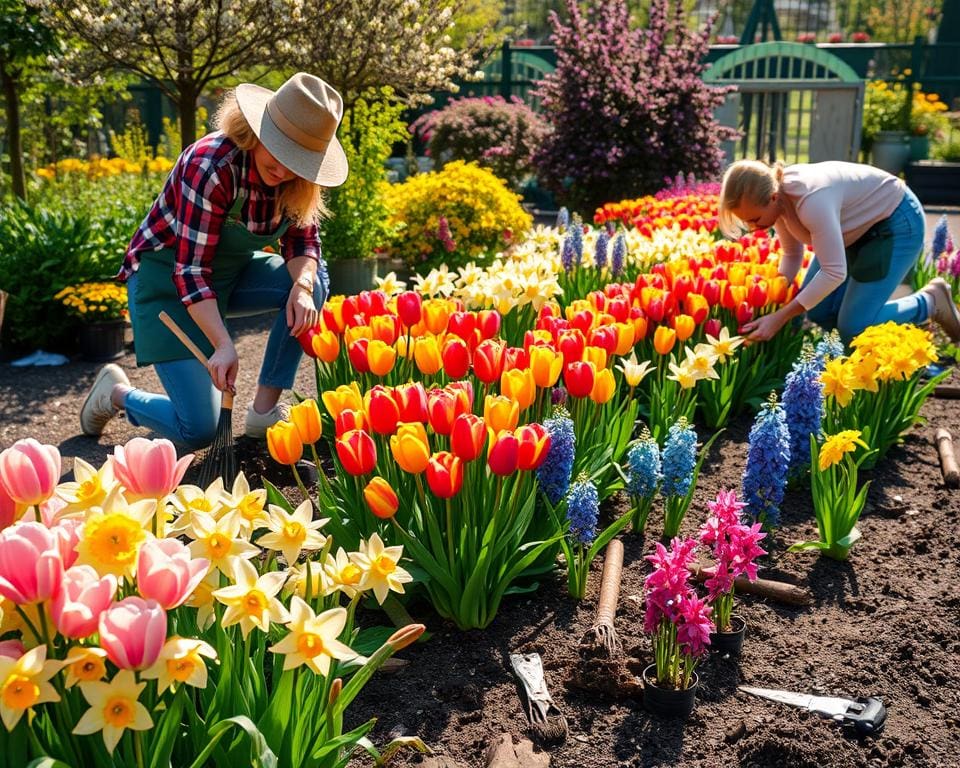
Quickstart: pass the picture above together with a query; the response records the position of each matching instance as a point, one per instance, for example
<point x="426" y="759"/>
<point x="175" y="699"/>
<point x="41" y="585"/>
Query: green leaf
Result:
<point x="260" y="754"/>
<point x="803" y="545"/>
<point x="847" y="541"/>
<point x="164" y="735"/>
<point x="46" y="762"/>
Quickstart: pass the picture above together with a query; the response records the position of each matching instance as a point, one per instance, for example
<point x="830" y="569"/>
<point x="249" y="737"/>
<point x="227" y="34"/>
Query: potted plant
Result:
<point x="735" y="548"/>
<point x="101" y="309"/>
<point x="679" y="625"/>
<point x="886" y="119"/>
<point x="927" y="122"/>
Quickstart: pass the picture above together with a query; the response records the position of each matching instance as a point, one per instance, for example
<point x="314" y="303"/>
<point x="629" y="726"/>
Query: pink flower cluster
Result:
<point x="735" y="545"/>
<point x="671" y="598"/>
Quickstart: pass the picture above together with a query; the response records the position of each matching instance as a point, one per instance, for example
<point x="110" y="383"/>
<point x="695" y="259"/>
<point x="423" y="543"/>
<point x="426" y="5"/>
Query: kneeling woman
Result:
<point x="866" y="229"/>
<point x="200" y="256"/>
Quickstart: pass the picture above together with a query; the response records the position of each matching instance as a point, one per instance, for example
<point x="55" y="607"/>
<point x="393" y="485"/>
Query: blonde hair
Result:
<point x="751" y="179"/>
<point x="300" y="200"/>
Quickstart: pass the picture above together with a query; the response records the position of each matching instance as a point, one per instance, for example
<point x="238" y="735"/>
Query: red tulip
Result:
<point x="533" y="445"/>
<point x="619" y="308"/>
<point x="409" y="308"/>
<point x="488" y="361"/>
<point x="578" y="378"/>
<point x="442" y="410"/>
<point x="571" y="344"/>
<point x="488" y="321"/>
<point x="757" y="294"/>
<point x="444" y="474"/>
<point x="515" y="358"/>
<point x="455" y="357"/>
<point x="357" y="452"/>
<point x="348" y="420"/>
<point x="382" y="410"/>
<point x="468" y="436"/>
<point x="604" y="337"/>
<point x="711" y="292"/>
<point x="306" y="340"/>
<point x="411" y="401"/>
<point x="358" y="355"/>
<point x="744" y="312"/>
<point x="462" y="324"/>
<point x="502" y="455"/>
<point x="583" y="321"/>
<point x="713" y="327"/>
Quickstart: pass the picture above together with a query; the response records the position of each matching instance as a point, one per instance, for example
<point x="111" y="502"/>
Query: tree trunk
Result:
<point x="188" y="114"/>
<point x="12" y="103"/>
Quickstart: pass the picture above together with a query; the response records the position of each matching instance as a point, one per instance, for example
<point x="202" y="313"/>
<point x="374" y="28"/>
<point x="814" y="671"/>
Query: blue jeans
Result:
<point x="189" y="412"/>
<point x="854" y="306"/>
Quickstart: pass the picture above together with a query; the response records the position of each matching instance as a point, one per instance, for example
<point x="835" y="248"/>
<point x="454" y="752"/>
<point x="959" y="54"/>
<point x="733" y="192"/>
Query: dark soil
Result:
<point x="884" y="623"/>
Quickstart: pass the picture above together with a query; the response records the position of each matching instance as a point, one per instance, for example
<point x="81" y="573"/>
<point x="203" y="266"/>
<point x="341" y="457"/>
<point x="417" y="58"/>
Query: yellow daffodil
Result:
<point x="89" y="489"/>
<point x="249" y="505"/>
<point x="683" y="375"/>
<point x="24" y="683"/>
<point x="293" y="533"/>
<point x="724" y="345"/>
<point x="111" y="535"/>
<point x="202" y="599"/>
<point x="313" y="640"/>
<point x="381" y="571"/>
<point x="251" y="600"/>
<point x="84" y="664"/>
<point x="389" y="284"/>
<point x="114" y="708"/>
<point x="342" y="574"/>
<point x="181" y="661"/>
<point x="701" y="360"/>
<point x="320" y="583"/>
<point x="219" y="540"/>
<point x="839" y="381"/>
<point x="190" y="499"/>
<point x="835" y="446"/>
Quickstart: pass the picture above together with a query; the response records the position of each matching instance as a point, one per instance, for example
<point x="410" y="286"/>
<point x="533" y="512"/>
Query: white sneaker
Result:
<point x="257" y="423"/>
<point x="944" y="312"/>
<point x="98" y="408"/>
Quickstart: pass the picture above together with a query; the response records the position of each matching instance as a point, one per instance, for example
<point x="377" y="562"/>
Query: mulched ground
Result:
<point x="886" y="623"/>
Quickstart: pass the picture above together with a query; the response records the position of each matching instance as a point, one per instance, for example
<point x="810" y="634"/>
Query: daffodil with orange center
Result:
<point x="342" y="574"/>
<point x="252" y="600"/>
<point x="219" y="540"/>
<point x="84" y="664"/>
<point x="297" y="576"/>
<point x="181" y="661"/>
<point x="114" y="708"/>
<point x="187" y="500"/>
<point x="685" y="376"/>
<point x="89" y="489"/>
<point x="25" y="683"/>
<point x="839" y="381"/>
<point x="380" y="566"/>
<point x="313" y="640"/>
<point x="111" y="535"/>
<point x="294" y="532"/>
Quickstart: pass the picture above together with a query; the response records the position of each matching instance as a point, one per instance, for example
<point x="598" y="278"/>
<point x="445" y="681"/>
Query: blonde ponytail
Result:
<point x="753" y="180"/>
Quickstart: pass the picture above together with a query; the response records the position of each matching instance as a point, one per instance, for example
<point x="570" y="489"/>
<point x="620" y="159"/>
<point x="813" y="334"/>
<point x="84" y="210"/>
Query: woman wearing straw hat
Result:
<point x="200" y="256"/>
<point x="867" y="231"/>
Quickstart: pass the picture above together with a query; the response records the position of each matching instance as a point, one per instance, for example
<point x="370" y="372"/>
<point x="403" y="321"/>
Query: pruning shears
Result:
<point x="865" y="714"/>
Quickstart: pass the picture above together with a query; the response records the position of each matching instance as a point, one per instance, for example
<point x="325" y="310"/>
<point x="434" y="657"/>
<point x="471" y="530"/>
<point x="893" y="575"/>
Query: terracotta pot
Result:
<point x="730" y="642"/>
<point x="668" y="702"/>
<point x="103" y="341"/>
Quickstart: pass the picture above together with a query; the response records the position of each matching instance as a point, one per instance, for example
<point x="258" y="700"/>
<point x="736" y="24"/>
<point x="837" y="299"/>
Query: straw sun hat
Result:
<point x="298" y="126"/>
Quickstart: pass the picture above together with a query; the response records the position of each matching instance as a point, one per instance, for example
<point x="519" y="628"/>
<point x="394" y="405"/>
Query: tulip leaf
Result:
<point x="260" y="753"/>
<point x="165" y="734"/>
<point x="349" y="739"/>
<point x="369" y="640"/>
<point x="46" y="762"/>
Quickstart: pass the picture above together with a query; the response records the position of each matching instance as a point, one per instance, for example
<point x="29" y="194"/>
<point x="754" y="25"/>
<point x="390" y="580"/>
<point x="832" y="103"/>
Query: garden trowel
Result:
<point x="547" y="723"/>
<point x="867" y="714"/>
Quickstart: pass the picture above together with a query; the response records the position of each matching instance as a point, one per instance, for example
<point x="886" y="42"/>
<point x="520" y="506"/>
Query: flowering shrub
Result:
<point x="626" y="103"/>
<point x="495" y="133"/>
<point x="481" y="213"/>
<point x="99" y="167"/>
<point x="92" y="302"/>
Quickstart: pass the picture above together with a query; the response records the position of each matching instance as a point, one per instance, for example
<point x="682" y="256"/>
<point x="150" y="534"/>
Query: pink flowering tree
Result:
<point x="677" y="620"/>
<point x="735" y="550"/>
<point x="627" y="104"/>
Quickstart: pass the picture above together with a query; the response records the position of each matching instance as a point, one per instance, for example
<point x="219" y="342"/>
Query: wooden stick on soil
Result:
<point x="603" y="631"/>
<point x="948" y="461"/>
<point x="947" y="391"/>
<point x="775" y="590"/>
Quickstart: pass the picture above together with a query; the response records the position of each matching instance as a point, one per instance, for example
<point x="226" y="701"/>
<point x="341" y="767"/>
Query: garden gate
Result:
<point x="793" y="102"/>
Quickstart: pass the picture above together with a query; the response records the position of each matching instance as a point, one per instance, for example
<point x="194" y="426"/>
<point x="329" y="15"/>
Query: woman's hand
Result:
<point x="223" y="366"/>
<point x="763" y="328"/>
<point x="301" y="312"/>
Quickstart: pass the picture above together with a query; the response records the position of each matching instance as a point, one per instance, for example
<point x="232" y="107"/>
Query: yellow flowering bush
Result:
<point x="100" y="167"/>
<point x="456" y="215"/>
<point x="93" y="302"/>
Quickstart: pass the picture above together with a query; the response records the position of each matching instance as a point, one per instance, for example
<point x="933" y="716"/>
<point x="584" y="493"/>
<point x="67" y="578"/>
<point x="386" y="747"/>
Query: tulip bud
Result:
<point x="284" y="443"/>
<point x="546" y="365"/>
<point x="445" y="475"/>
<point x="500" y="413"/>
<point x="519" y="385"/>
<point x="467" y="436"/>
<point x="579" y="377"/>
<point x="357" y="352"/>
<point x="488" y="361"/>
<point x="604" y="386"/>
<point x="664" y="339"/>
<point x="684" y="326"/>
<point x="456" y="357"/>
<point x="381" y="498"/>
<point x="357" y="452"/>
<point x="325" y="346"/>
<point x="409" y="308"/>
<point x="412" y="401"/>
<point x="305" y="416"/>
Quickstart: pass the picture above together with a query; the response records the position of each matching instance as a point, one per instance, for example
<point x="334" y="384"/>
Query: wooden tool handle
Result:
<point x="177" y="331"/>
<point x="776" y="590"/>
<point x="948" y="461"/>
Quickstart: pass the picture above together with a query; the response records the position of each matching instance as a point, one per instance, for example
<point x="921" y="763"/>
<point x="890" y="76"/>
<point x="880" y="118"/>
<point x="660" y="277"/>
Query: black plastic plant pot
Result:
<point x="730" y="643"/>
<point x="667" y="702"/>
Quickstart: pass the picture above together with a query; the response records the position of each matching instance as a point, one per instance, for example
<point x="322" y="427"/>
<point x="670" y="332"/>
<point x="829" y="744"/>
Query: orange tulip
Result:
<point x="664" y="339"/>
<point x="546" y="365"/>
<point x="326" y="346"/>
<point x="519" y="385"/>
<point x="305" y="416"/>
<point x="697" y="307"/>
<point x="344" y="397"/>
<point x="426" y="353"/>
<point x="410" y="447"/>
<point x="500" y="413"/>
<point x="381" y="498"/>
<point x="639" y="328"/>
<point x="380" y="357"/>
<point x="684" y="326"/>
<point x="604" y="385"/>
<point x="436" y="315"/>
<point x="284" y="444"/>
<point x="385" y="328"/>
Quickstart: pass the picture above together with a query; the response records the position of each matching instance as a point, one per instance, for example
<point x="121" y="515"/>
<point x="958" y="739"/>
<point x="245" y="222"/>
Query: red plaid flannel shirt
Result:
<point x="193" y="205"/>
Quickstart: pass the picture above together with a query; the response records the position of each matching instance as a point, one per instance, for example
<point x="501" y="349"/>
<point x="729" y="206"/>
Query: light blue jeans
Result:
<point x="854" y="306"/>
<point x="189" y="412"/>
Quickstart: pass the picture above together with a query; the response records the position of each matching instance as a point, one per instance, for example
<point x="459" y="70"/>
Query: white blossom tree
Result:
<point x="183" y="45"/>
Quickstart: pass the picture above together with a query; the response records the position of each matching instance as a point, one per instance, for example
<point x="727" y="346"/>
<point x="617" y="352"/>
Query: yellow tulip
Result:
<point x="380" y="357"/>
<point x="305" y="416"/>
<point x="519" y="385"/>
<point x="426" y="353"/>
<point x="604" y="385"/>
<point x="546" y="365"/>
<point x="284" y="443"/>
<point x="410" y="447"/>
<point x="500" y="413"/>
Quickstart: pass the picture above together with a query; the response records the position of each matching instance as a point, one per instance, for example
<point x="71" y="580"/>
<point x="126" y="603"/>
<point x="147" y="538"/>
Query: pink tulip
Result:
<point x="166" y="573"/>
<point x="82" y="598"/>
<point x="11" y="649"/>
<point x="29" y="471"/>
<point x="10" y="511"/>
<point x="133" y="632"/>
<point x="149" y="469"/>
<point x="68" y="536"/>
<point x="30" y="566"/>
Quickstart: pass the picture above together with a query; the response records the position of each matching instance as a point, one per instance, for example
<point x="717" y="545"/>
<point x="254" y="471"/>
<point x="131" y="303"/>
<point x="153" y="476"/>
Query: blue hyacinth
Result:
<point x="643" y="462"/>
<point x="679" y="459"/>
<point x="563" y="219"/>
<point x="765" y="476"/>
<point x="829" y="347"/>
<point x="557" y="468"/>
<point x="583" y="510"/>
<point x="940" y="235"/>
<point x="576" y="236"/>
<point x="600" y="251"/>
<point x="567" y="254"/>
<point x="803" y="405"/>
<point x="619" y="254"/>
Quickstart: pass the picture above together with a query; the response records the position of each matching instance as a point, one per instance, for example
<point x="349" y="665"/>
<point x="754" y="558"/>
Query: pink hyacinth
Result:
<point x="133" y="632"/>
<point x="83" y="596"/>
<point x="720" y="583"/>
<point x="668" y="582"/>
<point x="29" y="471"/>
<point x="149" y="469"/>
<point x="166" y="573"/>
<point x="695" y="626"/>
<point x="30" y="565"/>
<point x="735" y="545"/>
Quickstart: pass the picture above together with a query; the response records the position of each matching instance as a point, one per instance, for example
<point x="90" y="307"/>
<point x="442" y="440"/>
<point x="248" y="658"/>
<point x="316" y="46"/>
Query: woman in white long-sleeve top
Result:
<point x="866" y="229"/>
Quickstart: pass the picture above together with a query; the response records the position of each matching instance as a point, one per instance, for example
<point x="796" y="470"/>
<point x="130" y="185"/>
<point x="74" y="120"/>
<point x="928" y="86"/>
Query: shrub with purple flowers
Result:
<point x="491" y="131"/>
<point x="626" y="103"/>
<point x="768" y="458"/>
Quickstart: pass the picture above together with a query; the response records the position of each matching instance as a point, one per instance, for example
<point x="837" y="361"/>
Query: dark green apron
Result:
<point x="868" y="259"/>
<point x="155" y="290"/>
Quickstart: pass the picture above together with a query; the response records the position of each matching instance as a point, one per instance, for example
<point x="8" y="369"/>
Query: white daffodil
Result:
<point x="293" y="533"/>
<point x="381" y="571"/>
